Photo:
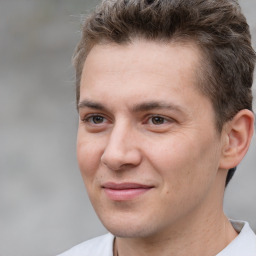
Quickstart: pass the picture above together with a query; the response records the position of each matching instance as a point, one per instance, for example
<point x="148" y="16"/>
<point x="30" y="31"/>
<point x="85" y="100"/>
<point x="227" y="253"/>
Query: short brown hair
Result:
<point x="218" y="28"/>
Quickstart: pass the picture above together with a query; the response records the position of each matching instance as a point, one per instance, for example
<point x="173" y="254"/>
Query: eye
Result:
<point x="157" y="120"/>
<point x="94" y="119"/>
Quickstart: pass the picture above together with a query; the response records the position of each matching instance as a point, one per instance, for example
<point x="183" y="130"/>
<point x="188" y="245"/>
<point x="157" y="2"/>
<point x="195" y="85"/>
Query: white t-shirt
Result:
<point x="243" y="245"/>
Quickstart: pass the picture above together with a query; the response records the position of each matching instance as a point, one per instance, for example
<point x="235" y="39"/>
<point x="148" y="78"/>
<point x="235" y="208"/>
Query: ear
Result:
<point x="236" y="135"/>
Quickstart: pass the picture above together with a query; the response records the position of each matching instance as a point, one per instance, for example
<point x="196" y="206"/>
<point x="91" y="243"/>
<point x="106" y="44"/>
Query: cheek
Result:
<point x="88" y="156"/>
<point x="185" y="161"/>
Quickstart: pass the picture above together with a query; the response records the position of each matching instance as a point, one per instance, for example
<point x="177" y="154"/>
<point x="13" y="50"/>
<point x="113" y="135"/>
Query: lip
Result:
<point x="124" y="191"/>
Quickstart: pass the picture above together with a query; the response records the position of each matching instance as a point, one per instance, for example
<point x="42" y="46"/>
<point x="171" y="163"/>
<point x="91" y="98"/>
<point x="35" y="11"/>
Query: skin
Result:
<point x="143" y="120"/>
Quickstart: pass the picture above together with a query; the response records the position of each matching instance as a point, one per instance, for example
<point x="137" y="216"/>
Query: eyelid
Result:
<point x="87" y="117"/>
<point x="166" y="119"/>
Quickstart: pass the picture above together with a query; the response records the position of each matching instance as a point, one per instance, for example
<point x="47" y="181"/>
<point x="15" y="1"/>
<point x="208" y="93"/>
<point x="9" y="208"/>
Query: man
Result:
<point x="165" y="107"/>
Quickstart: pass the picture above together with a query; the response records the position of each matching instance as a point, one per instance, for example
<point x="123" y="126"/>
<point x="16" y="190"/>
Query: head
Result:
<point x="164" y="99"/>
<point x="217" y="28"/>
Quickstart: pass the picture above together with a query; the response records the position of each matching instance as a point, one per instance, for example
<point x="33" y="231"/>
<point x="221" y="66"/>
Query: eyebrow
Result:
<point x="90" y="104"/>
<point x="145" y="106"/>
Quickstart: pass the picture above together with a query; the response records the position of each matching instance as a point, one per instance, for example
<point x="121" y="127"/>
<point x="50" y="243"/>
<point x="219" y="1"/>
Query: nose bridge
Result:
<point x="120" y="132"/>
<point x="121" y="148"/>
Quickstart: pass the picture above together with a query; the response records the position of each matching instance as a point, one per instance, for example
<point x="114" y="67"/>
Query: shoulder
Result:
<point x="244" y="244"/>
<point x="99" y="246"/>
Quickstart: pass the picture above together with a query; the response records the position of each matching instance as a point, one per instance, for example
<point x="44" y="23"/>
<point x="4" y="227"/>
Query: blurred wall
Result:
<point x="44" y="208"/>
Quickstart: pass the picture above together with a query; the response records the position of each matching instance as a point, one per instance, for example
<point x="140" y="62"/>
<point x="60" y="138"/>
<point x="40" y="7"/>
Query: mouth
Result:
<point x="125" y="191"/>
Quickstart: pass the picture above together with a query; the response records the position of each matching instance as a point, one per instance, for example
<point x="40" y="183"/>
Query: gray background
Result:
<point x="44" y="208"/>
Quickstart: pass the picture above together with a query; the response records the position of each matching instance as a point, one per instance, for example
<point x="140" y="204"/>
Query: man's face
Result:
<point x="147" y="145"/>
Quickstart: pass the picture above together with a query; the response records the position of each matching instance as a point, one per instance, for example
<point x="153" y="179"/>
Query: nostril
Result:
<point x="112" y="163"/>
<point x="121" y="160"/>
<point x="150" y="1"/>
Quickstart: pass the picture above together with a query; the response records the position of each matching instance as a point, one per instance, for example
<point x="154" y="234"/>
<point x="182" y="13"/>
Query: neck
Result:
<point x="199" y="240"/>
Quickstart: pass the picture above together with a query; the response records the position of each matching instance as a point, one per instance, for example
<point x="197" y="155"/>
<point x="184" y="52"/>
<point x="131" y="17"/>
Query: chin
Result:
<point x="130" y="227"/>
<point x="129" y="232"/>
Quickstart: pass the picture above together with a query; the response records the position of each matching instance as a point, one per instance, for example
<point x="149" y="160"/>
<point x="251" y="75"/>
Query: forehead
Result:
<point x="147" y="57"/>
<point x="142" y="50"/>
<point x="142" y="66"/>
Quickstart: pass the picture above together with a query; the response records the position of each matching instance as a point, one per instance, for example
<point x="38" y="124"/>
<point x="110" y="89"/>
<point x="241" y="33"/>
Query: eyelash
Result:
<point x="89" y="119"/>
<point x="163" y="120"/>
<point x="159" y="117"/>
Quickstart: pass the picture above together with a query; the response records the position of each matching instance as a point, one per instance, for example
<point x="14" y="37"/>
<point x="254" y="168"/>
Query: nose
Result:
<point x="122" y="149"/>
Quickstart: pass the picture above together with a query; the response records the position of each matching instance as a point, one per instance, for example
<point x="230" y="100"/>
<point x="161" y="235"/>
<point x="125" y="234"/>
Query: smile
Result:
<point x="124" y="191"/>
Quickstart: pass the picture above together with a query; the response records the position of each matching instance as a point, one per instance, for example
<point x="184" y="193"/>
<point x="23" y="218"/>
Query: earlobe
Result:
<point x="236" y="138"/>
